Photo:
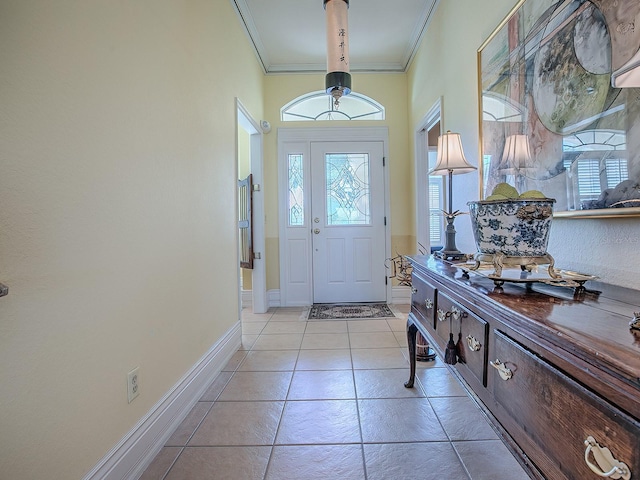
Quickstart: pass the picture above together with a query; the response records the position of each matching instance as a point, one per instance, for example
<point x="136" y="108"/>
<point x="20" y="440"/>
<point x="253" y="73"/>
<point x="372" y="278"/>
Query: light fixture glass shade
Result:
<point x="450" y="156"/>
<point x="516" y="157"/>
<point x="627" y="76"/>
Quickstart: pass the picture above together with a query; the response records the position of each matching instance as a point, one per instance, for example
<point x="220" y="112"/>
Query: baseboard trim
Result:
<point x="133" y="454"/>
<point x="400" y="295"/>
<point x="273" y="298"/>
<point x="246" y="297"/>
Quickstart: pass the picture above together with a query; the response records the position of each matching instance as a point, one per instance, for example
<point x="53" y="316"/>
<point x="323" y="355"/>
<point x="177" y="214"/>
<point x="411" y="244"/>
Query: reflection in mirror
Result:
<point x="545" y="74"/>
<point x="598" y="170"/>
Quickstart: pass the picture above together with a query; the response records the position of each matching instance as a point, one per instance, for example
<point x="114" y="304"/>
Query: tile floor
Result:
<point x="325" y="400"/>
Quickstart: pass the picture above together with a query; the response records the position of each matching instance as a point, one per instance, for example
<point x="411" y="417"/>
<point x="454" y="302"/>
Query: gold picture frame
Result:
<point x="549" y="117"/>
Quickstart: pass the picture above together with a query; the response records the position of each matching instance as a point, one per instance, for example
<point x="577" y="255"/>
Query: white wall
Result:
<point x="117" y="213"/>
<point x="446" y="66"/>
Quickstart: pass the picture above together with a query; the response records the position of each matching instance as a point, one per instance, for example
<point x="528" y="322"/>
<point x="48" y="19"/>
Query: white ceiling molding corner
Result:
<point x="288" y="36"/>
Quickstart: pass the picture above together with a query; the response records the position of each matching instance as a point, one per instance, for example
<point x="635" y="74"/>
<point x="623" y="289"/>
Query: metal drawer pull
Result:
<point x="428" y="303"/>
<point x="474" y="344"/>
<point x="454" y="313"/>
<point x="414" y="290"/>
<point x="504" y="372"/>
<point x="605" y="461"/>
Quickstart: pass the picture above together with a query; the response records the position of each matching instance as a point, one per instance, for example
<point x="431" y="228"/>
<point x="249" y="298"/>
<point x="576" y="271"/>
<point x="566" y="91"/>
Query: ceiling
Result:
<point x="289" y="35"/>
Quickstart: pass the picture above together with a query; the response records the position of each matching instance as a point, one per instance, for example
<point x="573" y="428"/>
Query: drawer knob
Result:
<point x="428" y="303"/>
<point x="474" y="344"/>
<point x="414" y="290"/>
<point x="604" y="459"/>
<point x="505" y="373"/>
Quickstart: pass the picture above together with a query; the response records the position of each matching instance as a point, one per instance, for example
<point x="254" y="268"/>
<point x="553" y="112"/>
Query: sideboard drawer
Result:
<point x="423" y="297"/>
<point x="447" y="317"/>
<point x="470" y="333"/>
<point x="473" y="347"/>
<point x="557" y="414"/>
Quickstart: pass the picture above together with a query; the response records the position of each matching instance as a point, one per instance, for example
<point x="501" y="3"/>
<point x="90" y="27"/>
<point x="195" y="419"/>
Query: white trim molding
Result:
<point x="421" y="163"/>
<point x="247" y="298"/>
<point x="399" y="296"/>
<point x="133" y="454"/>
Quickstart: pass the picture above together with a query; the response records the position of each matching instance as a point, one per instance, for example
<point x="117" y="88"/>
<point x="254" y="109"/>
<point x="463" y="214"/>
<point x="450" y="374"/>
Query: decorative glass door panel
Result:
<point x="347" y="189"/>
<point x="295" y="177"/>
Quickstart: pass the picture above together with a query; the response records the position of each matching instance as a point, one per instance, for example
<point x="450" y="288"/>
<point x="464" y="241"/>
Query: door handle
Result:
<point x="316" y="231"/>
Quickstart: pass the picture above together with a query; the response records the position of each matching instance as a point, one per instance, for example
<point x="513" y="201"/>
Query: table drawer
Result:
<point x="448" y="314"/>
<point x="470" y="333"/>
<point x="472" y="349"/>
<point x="423" y="297"/>
<point x="557" y="416"/>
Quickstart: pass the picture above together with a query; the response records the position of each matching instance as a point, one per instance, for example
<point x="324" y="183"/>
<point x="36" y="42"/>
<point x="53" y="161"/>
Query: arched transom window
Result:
<point x="319" y="106"/>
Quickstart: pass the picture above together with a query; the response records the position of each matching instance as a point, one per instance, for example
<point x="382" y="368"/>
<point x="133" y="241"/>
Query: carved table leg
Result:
<point x="412" y="330"/>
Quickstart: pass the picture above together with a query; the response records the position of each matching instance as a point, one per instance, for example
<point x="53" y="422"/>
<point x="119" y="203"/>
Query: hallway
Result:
<point x="320" y="400"/>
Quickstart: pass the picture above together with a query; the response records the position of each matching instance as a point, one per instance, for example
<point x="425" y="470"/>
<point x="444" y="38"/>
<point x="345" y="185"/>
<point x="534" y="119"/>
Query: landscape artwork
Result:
<point x="550" y="119"/>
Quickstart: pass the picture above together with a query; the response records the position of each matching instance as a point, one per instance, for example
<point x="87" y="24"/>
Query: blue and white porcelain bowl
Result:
<point x="516" y="228"/>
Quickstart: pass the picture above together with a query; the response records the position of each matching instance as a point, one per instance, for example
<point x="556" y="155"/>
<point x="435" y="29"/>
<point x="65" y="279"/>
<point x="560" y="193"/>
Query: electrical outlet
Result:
<point x="133" y="384"/>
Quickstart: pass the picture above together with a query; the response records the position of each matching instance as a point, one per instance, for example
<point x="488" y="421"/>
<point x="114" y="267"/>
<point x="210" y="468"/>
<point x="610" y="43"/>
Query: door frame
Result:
<point x="245" y="121"/>
<point x="298" y="291"/>
<point x="423" y="217"/>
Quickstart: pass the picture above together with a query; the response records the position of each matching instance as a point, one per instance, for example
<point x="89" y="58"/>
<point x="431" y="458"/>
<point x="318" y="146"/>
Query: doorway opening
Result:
<point x="430" y="190"/>
<point x="252" y="285"/>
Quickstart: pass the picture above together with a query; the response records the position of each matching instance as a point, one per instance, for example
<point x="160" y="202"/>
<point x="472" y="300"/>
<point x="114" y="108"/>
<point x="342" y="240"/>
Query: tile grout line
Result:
<point x="284" y="406"/>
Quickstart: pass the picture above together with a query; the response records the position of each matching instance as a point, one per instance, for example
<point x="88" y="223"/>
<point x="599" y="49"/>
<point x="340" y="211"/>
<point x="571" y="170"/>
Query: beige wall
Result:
<point x="388" y="89"/>
<point x="445" y="66"/>
<point x="117" y="214"/>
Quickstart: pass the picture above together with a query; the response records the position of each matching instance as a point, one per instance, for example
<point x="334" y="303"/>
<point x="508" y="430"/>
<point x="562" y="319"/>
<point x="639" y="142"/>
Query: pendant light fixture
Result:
<point x="338" y="78"/>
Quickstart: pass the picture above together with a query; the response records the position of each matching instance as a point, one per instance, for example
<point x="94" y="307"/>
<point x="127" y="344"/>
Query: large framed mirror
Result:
<point x="550" y="119"/>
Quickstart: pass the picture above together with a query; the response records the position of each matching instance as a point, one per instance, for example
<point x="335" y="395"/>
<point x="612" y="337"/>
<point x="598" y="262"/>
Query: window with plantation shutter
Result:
<point x="588" y="171"/>
<point x="435" y="210"/>
<point x="617" y="171"/>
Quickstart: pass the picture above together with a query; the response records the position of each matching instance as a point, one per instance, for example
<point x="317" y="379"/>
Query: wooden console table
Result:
<point x="556" y="368"/>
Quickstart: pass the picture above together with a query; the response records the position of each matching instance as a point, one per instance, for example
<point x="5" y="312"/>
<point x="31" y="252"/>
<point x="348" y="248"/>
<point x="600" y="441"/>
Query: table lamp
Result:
<point x="450" y="161"/>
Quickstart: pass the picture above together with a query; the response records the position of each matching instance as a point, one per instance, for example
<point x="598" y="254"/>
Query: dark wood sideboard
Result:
<point x="557" y="369"/>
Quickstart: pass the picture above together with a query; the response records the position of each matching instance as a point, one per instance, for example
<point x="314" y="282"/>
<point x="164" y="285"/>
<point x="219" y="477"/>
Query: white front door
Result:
<point x="348" y="222"/>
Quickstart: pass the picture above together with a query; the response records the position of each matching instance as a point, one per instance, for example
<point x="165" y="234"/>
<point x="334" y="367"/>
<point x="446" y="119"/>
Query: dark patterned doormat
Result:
<point x="327" y="311"/>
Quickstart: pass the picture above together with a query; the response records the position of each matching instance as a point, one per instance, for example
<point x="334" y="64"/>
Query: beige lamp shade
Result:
<point x="516" y="157"/>
<point x="450" y="156"/>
